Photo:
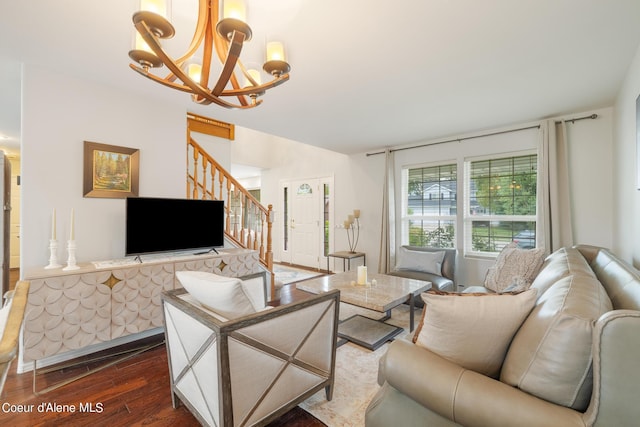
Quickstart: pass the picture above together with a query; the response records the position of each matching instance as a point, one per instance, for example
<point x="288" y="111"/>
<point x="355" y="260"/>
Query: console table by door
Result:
<point x="346" y="258"/>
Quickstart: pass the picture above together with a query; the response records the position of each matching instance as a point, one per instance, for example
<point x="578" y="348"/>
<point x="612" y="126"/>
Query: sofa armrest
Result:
<point x="17" y="303"/>
<point x="616" y="377"/>
<point x="464" y="396"/>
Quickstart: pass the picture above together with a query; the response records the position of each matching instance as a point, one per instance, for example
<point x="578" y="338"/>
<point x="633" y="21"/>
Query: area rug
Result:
<point x="356" y="375"/>
<point x="297" y="417"/>
<point x="286" y="274"/>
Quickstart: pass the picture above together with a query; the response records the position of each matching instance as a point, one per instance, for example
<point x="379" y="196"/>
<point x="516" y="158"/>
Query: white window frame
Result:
<point x="405" y="218"/>
<point x="468" y="219"/>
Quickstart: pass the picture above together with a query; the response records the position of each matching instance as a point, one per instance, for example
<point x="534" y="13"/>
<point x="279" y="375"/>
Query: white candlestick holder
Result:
<point x="71" y="261"/>
<point x="53" y="255"/>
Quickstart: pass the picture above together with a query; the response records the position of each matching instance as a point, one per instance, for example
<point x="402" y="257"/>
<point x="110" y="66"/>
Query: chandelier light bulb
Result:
<point x="255" y="75"/>
<point x="235" y="9"/>
<point x="160" y="7"/>
<point x="140" y="44"/>
<point x="194" y="70"/>
<point x="275" y="51"/>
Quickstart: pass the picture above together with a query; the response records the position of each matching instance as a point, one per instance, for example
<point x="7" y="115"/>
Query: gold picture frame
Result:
<point x="110" y="171"/>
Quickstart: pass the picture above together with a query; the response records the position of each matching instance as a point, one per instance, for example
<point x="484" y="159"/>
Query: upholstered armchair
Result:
<point x="249" y="369"/>
<point x="11" y="317"/>
<point x="435" y="265"/>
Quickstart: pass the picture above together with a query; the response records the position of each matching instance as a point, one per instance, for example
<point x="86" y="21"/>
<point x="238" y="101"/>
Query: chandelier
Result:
<point x="213" y="36"/>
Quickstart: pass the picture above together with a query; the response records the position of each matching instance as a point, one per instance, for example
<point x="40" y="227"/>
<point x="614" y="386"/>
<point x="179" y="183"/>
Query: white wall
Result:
<point x="626" y="194"/>
<point x="591" y="177"/>
<point x="52" y="168"/>
<point x="359" y="180"/>
<point x="53" y="130"/>
<point x="293" y="160"/>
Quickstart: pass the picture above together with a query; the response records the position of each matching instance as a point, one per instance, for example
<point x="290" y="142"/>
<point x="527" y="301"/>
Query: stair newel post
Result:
<point x="243" y="226"/>
<point x="248" y="214"/>
<point x="258" y="229"/>
<point x="262" y="233"/>
<point x="269" y="255"/>
<point x="232" y="202"/>
<point x="228" y="208"/>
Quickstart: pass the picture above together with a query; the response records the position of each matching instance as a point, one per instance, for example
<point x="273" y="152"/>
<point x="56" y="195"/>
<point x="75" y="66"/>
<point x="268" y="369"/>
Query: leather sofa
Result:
<point x="562" y="367"/>
<point x="443" y="280"/>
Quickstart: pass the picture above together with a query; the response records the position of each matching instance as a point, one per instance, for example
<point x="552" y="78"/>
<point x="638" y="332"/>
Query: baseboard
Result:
<point x="69" y="355"/>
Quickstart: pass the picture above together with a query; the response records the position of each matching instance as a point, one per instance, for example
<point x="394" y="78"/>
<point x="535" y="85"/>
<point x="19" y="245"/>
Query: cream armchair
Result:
<point x="249" y="370"/>
<point x="11" y="317"/>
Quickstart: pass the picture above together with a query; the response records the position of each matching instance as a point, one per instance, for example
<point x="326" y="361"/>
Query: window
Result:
<point x="429" y="213"/>
<point x="500" y="203"/>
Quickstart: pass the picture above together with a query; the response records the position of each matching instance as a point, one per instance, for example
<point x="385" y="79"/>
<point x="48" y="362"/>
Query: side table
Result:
<point x="346" y="257"/>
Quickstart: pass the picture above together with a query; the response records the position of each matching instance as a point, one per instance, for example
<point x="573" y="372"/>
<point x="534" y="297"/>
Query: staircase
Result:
<point x="245" y="218"/>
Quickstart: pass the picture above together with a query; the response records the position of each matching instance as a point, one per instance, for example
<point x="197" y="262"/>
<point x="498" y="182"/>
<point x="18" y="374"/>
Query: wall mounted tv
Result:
<point x="166" y="225"/>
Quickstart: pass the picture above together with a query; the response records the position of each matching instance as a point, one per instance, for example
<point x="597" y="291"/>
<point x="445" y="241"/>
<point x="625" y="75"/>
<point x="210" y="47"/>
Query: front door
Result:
<point x="304" y="222"/>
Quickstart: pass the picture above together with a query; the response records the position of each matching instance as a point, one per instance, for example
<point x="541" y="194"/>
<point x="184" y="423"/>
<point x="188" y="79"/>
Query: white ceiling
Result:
<point x="365" y="73"/>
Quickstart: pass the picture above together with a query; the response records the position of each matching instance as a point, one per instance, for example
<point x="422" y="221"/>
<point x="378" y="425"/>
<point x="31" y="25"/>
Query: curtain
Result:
<point x="387" y="237"/>
<point x="555" y="229"/>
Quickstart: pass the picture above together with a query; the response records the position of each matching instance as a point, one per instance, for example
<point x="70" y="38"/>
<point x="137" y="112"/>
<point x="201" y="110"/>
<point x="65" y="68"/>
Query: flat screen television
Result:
<point x="165" y="225"/>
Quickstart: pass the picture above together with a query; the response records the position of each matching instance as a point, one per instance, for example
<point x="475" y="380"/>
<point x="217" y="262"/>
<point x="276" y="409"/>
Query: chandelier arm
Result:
<point x="205" y="98"/>
<point x="162" y="81"/>
<point x="207" y="54"/>
<point x="198" y="34"/>
<point x="206" y="101"/>
<point x="153" y="44"/>
<point x="246" y="74"/>
<point x="222" y="47"/>
<point x="235" y="47"/>
<point x="189" y="85"/>
<point x="259" y="88"/>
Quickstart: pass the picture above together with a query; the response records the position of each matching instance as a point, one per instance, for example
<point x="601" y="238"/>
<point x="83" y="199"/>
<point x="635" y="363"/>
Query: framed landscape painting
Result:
<point x="110" y="171"/>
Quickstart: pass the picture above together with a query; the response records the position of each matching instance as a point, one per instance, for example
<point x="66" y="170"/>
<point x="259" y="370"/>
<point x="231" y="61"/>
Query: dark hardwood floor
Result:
<point x="134" y="392"/>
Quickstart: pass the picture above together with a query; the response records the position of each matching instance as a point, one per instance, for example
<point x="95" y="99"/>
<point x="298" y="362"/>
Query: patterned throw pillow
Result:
<point x="472" y="330"/>
<point x="515" y="269"/>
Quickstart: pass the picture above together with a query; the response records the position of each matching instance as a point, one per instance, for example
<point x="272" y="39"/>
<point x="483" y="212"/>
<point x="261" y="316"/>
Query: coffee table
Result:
<point x="387" y="293"/>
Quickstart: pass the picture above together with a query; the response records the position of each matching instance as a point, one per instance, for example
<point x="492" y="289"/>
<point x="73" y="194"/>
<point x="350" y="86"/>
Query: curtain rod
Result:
<point x="592" y="116"/>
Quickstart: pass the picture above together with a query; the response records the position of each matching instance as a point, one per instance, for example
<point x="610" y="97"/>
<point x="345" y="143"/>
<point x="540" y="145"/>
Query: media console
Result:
<point x="74" y="313"/>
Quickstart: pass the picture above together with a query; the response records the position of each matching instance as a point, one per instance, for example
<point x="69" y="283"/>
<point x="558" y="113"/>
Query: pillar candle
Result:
<point x="362" y="275"/>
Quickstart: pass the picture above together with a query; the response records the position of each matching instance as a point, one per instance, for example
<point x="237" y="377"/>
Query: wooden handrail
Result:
<point x="247" y="222"/>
